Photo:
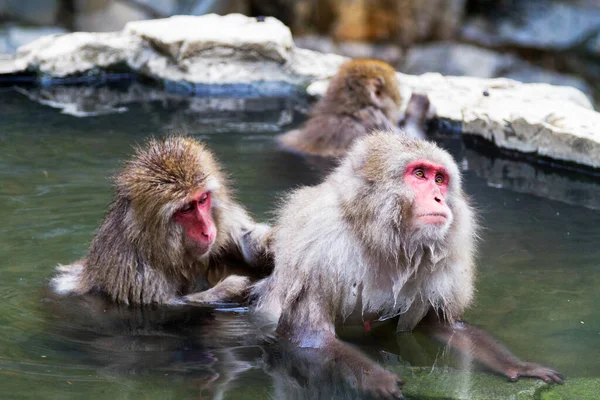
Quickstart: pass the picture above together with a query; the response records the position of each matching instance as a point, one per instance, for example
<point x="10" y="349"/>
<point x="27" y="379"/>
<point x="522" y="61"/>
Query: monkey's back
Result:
<point x="324" y="135"/>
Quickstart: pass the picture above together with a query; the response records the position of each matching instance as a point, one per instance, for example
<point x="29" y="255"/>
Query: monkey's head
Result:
<point x="362" y="83"/>
<point x="173" y="187"/>
<point x="406" y="187"/>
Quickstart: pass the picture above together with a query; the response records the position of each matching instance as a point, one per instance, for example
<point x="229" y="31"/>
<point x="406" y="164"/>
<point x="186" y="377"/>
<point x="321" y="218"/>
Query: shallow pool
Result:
<point x="539" y="261"/>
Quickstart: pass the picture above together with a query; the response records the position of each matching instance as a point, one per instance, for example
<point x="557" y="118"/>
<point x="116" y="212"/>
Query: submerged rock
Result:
<point x="452" y="384"/>
<point x="546" y="25"/>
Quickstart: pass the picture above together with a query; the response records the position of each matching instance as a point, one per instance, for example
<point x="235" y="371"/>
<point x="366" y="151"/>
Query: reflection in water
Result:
<point x="537" y="289"/>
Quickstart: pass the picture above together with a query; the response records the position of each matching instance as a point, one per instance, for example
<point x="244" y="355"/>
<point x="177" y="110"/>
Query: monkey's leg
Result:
<point x="234" y="288"/>
<point x="480" y="345"/>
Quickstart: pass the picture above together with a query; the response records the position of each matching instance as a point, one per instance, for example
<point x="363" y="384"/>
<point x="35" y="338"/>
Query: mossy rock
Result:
<point x="573" y="389"/>
<point x="451" y="384"/>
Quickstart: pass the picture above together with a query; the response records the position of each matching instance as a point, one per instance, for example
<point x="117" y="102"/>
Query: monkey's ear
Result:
<point x="376" y="86"/>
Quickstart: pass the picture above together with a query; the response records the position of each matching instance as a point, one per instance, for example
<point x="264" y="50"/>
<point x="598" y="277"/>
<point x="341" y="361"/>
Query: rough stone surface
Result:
<point x="523" y="177"/>
<point x="548" y="25"/>
<point x="112" y="17"/>
<point x="574" y="389"/>
<point x="553" y="121"/>
<point x="233" y="36"/>
<point x="42" y="12"/>
<point x="14" y="36"/>
<point x="451" y="384"/>
<point x="76" y="53"/>
<point x="183" y="52"/>
<point x="449" y="58"/>
<point x="389" y="53"/>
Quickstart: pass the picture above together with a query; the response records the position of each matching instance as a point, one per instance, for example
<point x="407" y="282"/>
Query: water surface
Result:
<point x="539" y="261"/>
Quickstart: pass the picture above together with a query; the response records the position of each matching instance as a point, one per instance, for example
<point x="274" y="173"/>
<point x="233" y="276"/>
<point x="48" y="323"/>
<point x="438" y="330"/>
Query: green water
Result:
<point x="538" y="284"/>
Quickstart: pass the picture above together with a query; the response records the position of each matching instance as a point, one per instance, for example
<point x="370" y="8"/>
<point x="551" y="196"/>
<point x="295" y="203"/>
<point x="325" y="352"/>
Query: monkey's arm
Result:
<point x="316" y="331"/>
<point x="255" y="245"/>
<point x="477" y="343"/>
<point x="234" y="288"/>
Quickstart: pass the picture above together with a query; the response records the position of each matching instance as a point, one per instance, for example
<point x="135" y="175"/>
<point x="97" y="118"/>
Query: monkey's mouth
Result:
<point x="433" y="218"/>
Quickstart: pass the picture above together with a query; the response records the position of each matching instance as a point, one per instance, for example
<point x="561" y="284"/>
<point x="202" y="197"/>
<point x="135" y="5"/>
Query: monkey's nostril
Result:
<point x="438" y="199"/>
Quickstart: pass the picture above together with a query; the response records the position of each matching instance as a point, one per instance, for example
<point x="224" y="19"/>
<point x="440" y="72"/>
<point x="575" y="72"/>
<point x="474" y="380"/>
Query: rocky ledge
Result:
<point x="245" y="56"/>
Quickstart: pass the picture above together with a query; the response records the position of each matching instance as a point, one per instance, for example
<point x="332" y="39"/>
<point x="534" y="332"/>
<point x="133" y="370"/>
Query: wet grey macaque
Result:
<point x="172" y="228"/>
<point x="388" y="234"/>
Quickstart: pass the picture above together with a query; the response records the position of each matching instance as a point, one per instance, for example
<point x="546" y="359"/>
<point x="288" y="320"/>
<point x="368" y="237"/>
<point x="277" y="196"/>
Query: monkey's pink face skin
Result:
<point x="197" y="221"/>
<point x="430" y="184"/>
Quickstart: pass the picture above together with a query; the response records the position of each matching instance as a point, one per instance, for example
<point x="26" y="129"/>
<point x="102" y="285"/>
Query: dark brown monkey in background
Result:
<point x="172" y="227"/>
<point x="362" y="97"/>
<point x="389" y="233"/>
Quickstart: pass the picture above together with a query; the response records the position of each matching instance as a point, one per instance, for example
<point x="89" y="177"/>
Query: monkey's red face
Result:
<point x="430" y="184"/>
<point x="197" y="222"/>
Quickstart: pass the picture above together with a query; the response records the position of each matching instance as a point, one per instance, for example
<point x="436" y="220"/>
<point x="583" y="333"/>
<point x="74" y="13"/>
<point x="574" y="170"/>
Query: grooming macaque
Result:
<point x="388" y="234"/>
<point x="362" y="97"/>
<point x="172" y="227"/>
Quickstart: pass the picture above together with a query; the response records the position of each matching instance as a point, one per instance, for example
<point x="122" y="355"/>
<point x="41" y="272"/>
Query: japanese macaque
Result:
<point x="388" y="234"/>
<point x="362" y="97"/>
<point x="172" y="227"/>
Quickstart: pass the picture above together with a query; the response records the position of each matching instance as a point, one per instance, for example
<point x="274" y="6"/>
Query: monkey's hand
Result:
<point x="233" y="288"/>
<point x="256" y="245"/>
<point x="380" y="383"/>
<point x="534" y="371"/>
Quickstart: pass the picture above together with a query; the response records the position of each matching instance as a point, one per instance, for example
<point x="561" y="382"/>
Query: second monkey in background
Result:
<point x="362" y="97"/>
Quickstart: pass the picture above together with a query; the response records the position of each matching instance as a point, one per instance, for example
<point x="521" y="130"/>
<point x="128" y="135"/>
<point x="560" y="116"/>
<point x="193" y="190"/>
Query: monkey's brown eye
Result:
<point x="187" y="208"/>
<point x="419" y="173"/>
<point x="439" y="179"/>
<point x="203" y="199"/>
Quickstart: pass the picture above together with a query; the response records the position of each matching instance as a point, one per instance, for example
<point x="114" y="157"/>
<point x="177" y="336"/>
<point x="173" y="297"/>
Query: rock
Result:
<point x="13" y="36"/>
<point x="40" y="12"/>
<point x="163" y="8"/>
<point x="449" y="58"/>
<point x="524" y="177"/>
<point x="574" y="389"/>
<point x="111" y="17"/>
<point x="233" y="36"/>
<point x="389" y="53"/>
<point x="227" y="112"/>
<point x="451" y="384"/>
<point x="76" y="53"/>
<point x="185" y="53"/>
<point x="552" y="121"/>
<point x="547" y="25"/>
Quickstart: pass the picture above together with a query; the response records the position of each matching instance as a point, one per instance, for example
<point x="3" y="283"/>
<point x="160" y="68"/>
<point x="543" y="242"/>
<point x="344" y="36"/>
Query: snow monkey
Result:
<point x="172" y="227"/>
<point x="388" y="234"/>
<point x="361" y="97"/>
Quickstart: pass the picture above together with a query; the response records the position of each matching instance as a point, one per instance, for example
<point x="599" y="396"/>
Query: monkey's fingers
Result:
<point x="548" y="375"/>
<point x="384" y="385"/>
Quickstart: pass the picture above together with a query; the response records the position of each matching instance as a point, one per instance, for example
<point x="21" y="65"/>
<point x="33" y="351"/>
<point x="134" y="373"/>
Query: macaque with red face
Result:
<point x="388" y="234"/>
<point x="361" y="97"/>
<point x="172" y="227"/>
